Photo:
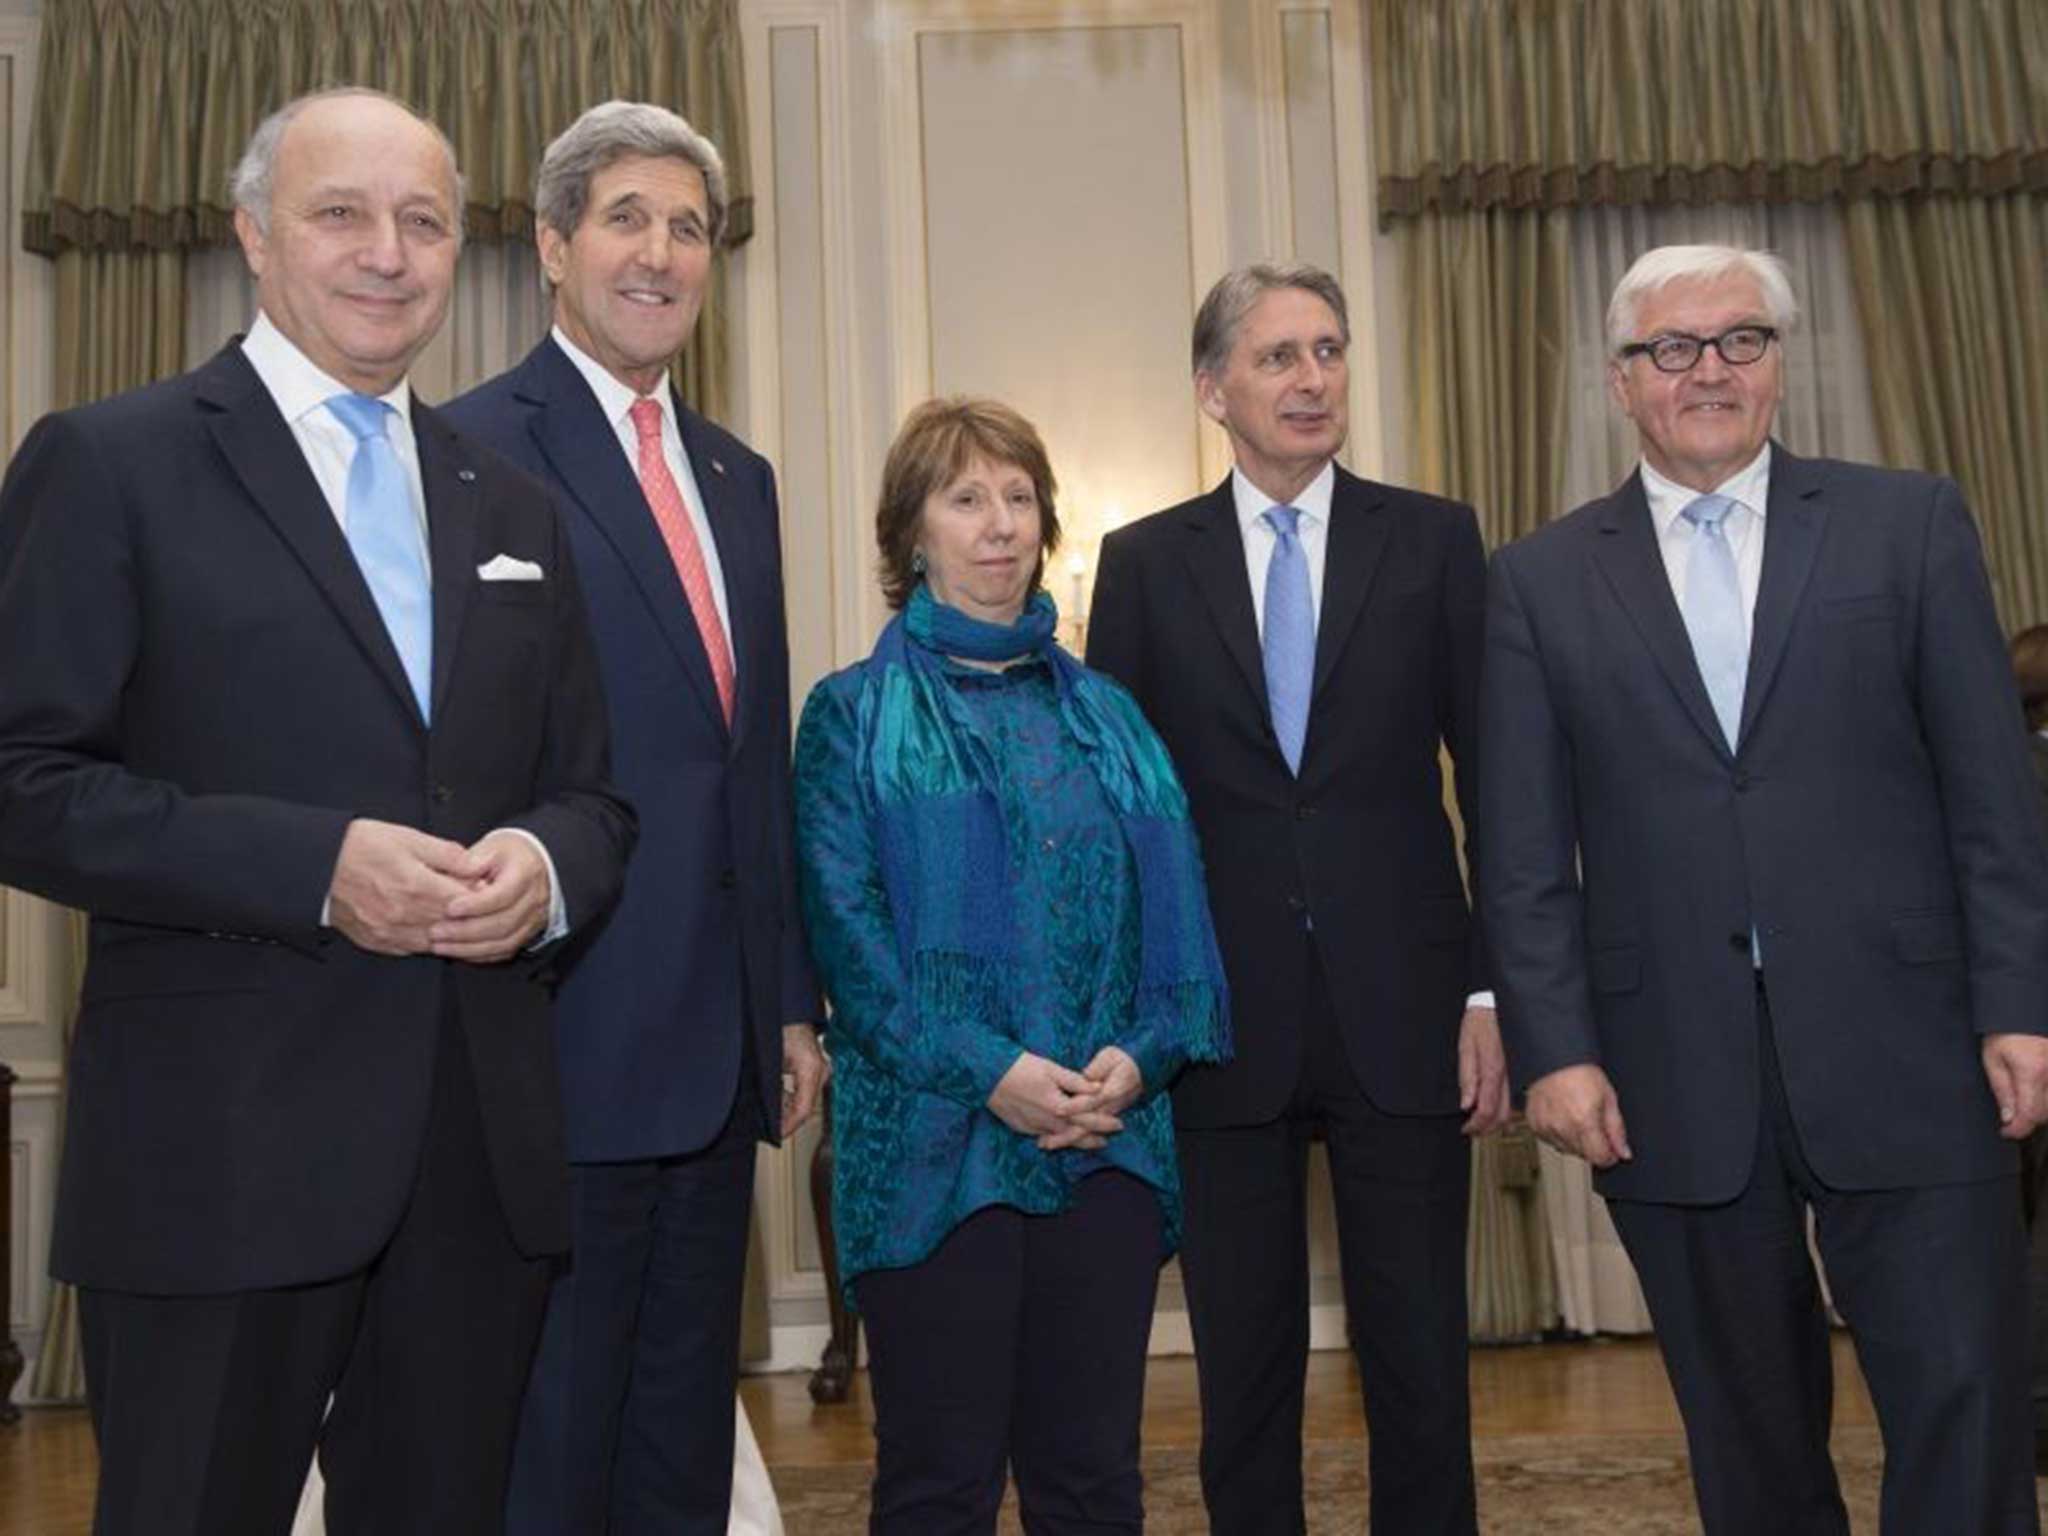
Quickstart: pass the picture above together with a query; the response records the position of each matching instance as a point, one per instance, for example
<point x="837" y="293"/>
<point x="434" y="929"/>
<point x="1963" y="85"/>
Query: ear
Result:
<point x="1209" y="395"/>
<point x="554" y="251"/>
<point x="255" y="244"/>
<point x="1617" y="386"/>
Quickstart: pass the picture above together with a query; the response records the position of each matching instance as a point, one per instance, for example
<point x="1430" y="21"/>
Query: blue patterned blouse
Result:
<point x="916" y="1150"/>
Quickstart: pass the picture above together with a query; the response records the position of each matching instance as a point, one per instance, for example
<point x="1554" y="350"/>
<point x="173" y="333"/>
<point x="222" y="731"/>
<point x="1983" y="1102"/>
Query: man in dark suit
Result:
<point x="1307" y="643"/>
<point x="301" y="705"/>
<point x="1769" y="923"/>
<point x="681" y="1015"/>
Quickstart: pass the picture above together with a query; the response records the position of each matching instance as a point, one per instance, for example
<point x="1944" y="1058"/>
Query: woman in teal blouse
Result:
<point x="1005" y="899"/>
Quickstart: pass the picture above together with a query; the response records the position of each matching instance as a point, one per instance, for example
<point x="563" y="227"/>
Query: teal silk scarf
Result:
<point x="945" y="866"/>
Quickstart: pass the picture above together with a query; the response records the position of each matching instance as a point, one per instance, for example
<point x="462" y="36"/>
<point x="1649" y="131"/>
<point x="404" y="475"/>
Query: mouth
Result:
<point x="647" y="298"/>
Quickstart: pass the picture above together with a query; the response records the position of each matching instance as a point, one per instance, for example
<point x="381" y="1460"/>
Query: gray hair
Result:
<point x="1235" y="293"/>
<point x="1667" y="264"/>
<point x="613" y="131"/>
<point x="254" y="175"/>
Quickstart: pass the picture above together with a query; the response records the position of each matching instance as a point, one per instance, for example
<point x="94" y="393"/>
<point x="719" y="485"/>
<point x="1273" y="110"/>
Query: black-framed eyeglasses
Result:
<point x="1677" y="352"/>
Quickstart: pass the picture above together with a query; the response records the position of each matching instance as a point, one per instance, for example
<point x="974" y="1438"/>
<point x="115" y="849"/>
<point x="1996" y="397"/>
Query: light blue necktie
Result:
<point x="1714" y="616"/>
<point x="1290" y="638"/>
<point x="384" y="532"/>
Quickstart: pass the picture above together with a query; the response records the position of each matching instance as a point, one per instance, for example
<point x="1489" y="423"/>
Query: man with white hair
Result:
<point x="300" y="704"/>
<point x="680" y="1017"/>
<point x="1770" y="923"/>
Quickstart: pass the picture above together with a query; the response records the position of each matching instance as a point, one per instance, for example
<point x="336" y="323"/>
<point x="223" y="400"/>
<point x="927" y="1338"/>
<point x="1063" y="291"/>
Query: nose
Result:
<point x="656" y="246"/>
<point x="1309" y="376"/>
<point x="1711" y="367"/>
<point x="384" y="251"/>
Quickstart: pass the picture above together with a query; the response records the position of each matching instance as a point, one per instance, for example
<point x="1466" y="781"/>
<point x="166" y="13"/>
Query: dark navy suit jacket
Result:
<point x="707" y="939"/>
<point x="197" y="697"/>
<point x="1872" y="827"/>
<point x="1360" y="843"/>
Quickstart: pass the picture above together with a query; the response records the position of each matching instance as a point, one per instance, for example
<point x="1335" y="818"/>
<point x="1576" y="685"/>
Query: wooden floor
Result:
<point x="47" y="1464"/>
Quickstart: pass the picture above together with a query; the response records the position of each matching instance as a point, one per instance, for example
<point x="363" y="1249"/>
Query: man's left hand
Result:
<point x="2017" y="1067"/>
<point x="806" y="1069"/>
<point x="1482" y="1072"/>
<point x="506" y="904"/>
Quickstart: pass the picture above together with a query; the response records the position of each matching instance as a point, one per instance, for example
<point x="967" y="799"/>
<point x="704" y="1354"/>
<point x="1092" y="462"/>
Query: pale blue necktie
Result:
<point x="384" y="532"/>
<point x="1290" y="638"/>
<point x="1714" y="615"/>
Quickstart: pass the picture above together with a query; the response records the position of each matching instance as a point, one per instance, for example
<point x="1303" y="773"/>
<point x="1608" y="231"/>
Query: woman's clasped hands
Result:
<point x="1062" y="1108"/>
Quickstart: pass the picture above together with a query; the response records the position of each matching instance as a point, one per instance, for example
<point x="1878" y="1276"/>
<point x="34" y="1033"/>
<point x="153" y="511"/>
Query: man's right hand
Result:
<point x="392" y="884"/>
<point x="1575" y="1110"/>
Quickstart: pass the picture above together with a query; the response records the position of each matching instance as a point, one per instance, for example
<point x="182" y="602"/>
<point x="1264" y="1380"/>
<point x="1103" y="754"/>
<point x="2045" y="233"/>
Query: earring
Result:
<point x="917" y="562"/>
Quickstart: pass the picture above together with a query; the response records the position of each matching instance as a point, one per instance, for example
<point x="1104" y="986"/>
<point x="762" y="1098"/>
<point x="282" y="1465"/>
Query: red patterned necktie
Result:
<point x="665" y="500"/>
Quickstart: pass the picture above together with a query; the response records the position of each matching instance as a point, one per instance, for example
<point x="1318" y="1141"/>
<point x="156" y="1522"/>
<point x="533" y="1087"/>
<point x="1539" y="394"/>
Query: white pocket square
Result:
<point x="505" y="568"/>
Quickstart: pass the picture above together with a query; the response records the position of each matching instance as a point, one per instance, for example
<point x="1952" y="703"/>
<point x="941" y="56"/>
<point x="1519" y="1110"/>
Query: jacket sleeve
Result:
<point x="78" y="823"/>
<point x="853" y="932"/>
<point x="1529" y="878"/>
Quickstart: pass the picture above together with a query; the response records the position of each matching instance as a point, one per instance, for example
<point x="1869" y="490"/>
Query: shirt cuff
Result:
<point x="558" y="911"/>
<point x="1479" y="1000"/>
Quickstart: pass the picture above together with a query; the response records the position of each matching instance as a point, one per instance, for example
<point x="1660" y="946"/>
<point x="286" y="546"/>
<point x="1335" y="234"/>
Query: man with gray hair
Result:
<point x="1307" y="643"/>
<point x="301" y="706"/>
<point x="1770" y="918"/>
<point x="686" y="1025"/>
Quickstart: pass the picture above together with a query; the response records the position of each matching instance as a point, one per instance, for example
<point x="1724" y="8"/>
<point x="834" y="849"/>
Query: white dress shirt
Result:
<point x="1312" y="528"/>
<point x="617" y="400"/>
<point x="1749" y="488"/>
<point x="301" y="391"/>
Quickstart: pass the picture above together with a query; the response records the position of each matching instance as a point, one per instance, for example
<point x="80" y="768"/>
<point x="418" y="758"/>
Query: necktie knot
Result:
<point x="365" y="416"/>
<point x="1708" y="512"/>
<point x="1285" y="521"/>
<point x="646" y="416"/>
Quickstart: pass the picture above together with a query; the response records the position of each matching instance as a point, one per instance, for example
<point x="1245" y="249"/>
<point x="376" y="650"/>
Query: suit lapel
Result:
<point x="1357" y="540"/>
<point x="582" y="449"/>
<point x="1626" y="552"/>
<point x="729" y="533"/>
<point x="450" y="486"/>
<point x="1215" y="554"/>
<point x="1795" y="520"/>
<point x="260" y="449"/>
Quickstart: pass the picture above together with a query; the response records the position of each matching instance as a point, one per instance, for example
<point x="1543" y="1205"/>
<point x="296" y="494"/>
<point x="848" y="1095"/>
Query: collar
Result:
<point x="1749" y="487"/>
<point x="298" y="387"/>
<point x="614" y="398"/>
<point x="1313" y="503"/>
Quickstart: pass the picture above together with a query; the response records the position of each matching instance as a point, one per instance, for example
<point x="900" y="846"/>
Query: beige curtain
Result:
<point x="1489" y="323"/>
<point x="1485" y="103"/>
<point x="1954" y="297"/>
<point x="143" y="106"/>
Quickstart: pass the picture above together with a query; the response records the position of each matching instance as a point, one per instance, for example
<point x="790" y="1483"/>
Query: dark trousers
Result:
<point x="1400" y="1186"/>
<point x="207" y="1409"/>
<point x="628" y="1423"/>
<point x="1932" y="1285"/>
<point x="1019" y="1343"/>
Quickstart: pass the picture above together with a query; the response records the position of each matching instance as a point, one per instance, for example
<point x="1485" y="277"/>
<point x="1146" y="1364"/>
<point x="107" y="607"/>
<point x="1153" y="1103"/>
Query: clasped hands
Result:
<point x="400" y="891"/>
<point x="1060" y="1107"/>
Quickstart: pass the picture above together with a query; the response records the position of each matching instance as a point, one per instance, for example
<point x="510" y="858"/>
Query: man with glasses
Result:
<point x="1769" y="924"/>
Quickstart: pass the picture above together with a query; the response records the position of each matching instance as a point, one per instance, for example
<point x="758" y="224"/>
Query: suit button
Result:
<point x="1742" y="783"/>
<point x="443" y="794"/>
<point x="1296" y="904"/>
<point x="1739" y="941"/>
<point x="728" y="879"/>
<point x="1304" y="813"/>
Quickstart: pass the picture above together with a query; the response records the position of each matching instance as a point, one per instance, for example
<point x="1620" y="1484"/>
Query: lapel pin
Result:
<point x="717" y="468"/>
<point x="466" y="476"/>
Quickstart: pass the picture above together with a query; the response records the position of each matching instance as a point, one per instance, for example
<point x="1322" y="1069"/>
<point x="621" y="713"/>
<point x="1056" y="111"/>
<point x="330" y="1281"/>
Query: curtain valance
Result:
<point x="143" y="106"/>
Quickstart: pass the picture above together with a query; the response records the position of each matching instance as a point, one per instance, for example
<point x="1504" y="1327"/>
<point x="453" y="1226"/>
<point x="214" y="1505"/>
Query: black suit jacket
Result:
<point x="1360" y="845"/>
<point x="199" y="696"/>
<point x="1868" y="827"/>
<point x="707" y="938"/>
